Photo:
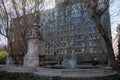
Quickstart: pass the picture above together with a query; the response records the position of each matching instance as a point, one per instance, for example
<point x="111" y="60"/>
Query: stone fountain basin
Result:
<point x="81" y="72"/>
<point x="76" y="67"/>
<point x="84" y="71"/>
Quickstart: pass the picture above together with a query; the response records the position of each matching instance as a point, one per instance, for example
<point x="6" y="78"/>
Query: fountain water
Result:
<point x="9" y="60"/>
<point x="72" y="61"/>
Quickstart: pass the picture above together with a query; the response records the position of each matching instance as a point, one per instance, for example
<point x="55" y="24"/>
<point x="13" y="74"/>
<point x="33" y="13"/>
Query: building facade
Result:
<point x="68" y="28"/>
<point x="116" y="44"/>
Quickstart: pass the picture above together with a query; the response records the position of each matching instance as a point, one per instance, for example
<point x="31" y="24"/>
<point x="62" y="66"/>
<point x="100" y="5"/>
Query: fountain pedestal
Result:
<point x="31" y="59"/>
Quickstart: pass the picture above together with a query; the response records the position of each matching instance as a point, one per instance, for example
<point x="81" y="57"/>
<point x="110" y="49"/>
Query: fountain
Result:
<point x="72" y="61"/>
<point x="69" y="68"/>
<point x="31" y="62"/>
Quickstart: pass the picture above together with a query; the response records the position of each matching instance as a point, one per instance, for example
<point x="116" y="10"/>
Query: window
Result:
<point x="90" y="36"/>
<point x="67" y="18"/>
<point x="61" y="17"/>
<point x="74" y="1"/>
<point x="80" y="37"/>
<point x="92" y="43"/>
<point x="90" y="24"/>
<point x="86" y="16"/>
<point x="75" y="11"/>
<point x="91" y="29"/>
<point x="75" y="21"/>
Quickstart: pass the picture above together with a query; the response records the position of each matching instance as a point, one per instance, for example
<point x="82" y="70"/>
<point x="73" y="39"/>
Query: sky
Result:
<point x="114" y="17"/>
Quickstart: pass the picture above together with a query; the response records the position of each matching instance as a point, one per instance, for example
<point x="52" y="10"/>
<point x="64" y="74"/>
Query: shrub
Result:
<point x="94" y="63"/>
<point x="16" y="76"/>
<point x="3" y="54"/>
<point x="2" y="60"/>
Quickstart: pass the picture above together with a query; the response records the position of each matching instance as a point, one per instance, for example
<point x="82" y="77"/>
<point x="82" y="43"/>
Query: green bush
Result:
<point x="2" y="60"/>
<point x="94" y="63"/>
<point x="56" y="78"/>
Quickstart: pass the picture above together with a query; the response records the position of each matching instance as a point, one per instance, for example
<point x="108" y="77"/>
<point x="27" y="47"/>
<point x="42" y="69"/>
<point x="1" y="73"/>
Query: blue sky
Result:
<point x="114" y="15"/>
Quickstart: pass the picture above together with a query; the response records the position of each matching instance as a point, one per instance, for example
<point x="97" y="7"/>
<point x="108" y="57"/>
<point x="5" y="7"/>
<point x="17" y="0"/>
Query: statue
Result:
<point x="34" y="37"/>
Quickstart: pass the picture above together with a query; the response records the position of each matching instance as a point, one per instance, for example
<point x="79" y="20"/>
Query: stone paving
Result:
<point x="19" y="69"/>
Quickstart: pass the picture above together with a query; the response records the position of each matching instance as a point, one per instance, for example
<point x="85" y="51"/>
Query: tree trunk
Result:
<point x="111" y="57"/>
<point x="108" y="43"/>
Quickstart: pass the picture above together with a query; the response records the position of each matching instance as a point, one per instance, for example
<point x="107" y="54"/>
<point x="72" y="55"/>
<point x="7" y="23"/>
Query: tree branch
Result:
<point x="103" y="9"/>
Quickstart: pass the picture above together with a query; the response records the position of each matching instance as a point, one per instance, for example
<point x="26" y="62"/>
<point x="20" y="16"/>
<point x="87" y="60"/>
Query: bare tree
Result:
<point x="97" y="8"/>
<point x="5" y="15"/>
<point x="27" y="18"/>
<point x="16" y="19"/>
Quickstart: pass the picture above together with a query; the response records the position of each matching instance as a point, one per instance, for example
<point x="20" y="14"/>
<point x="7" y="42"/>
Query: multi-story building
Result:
<point x="68" y="28"/>
<point x="116" y="44"/>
